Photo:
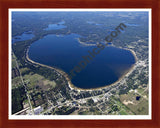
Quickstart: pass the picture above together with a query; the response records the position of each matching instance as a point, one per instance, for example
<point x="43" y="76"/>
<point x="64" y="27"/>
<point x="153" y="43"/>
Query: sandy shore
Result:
<point x="80" y="89"/>
<point x="83" y="43"/>
<point x="132" y="53"/>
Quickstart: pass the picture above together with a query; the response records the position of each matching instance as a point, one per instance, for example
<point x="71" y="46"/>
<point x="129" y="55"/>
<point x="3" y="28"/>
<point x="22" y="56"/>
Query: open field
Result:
<point x="136" y="102"/>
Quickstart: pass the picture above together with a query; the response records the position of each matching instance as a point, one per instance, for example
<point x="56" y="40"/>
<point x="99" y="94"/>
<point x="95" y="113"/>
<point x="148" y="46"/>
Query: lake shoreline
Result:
<point x="83" y="43"/>
<point x="71" y="85"/>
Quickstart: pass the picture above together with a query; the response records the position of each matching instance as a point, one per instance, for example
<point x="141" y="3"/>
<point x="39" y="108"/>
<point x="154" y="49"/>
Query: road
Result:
<point x="27" y="94"/>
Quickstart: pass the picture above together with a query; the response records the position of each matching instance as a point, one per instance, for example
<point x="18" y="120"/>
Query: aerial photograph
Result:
<point x="79" y="62"/>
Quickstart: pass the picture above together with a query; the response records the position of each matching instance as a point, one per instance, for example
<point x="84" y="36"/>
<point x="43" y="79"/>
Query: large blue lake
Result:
<point x="65" y="52"/>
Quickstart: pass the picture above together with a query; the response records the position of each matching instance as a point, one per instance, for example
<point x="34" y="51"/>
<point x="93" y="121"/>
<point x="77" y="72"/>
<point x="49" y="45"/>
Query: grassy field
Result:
<point x="34" y="80"/>
<point x="123" y="110"/>
<point x="138" y="107"/>
<point x="31" y="79"/>
<point x="140" y="90"/>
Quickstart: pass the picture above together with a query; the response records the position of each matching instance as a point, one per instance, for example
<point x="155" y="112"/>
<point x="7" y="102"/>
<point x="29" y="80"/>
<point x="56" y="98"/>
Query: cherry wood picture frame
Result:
<point x="5" y="5"/>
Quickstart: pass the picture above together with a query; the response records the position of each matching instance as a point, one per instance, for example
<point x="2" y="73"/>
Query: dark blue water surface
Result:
<point x="65" y="52"/>
<point x="23" y="37"/>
